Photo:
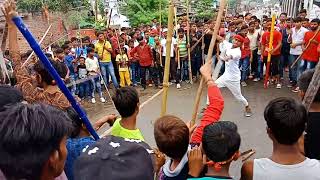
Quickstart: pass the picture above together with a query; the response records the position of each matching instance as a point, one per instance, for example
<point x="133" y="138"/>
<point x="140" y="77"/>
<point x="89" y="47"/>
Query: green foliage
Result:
<point x="143" y="11"/>
<point x="203" y="8"/>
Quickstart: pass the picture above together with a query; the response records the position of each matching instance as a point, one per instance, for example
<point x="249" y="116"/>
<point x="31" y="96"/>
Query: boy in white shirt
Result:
<point x="231" y="54"/>
<point x="93" y="70"/>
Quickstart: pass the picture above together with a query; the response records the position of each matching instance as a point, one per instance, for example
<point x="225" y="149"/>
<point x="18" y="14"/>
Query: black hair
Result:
<point x="304" y="82"/>
<point x="221" y="140"/>
<point x="30" y="133"/>
<point x="91" y="45"/>
<point x="254" y="17"/>
<point x="99" y="33"/>
<point x="46" y="77"/>
<point x="180" y="30"/>
<point x="289" y="19"/>
<point x="316" y="20"/>
<point x="247" y="14"/>
<point x="140" y="38"/>
<point x="65" y="46"/>
<point x="67" y="42"/>
<point x="258" y="20"/>
<point x="126" y="100"/>
<point x="303" y="11"/>
<point x="9" y="95"/>
<point x="297" y="19"/>
<point x="73" y="39"/>
<point x="252" y="23"/>
<point x="89" y="50"/>
<point x="75" y="121"/>
<point x="286" y="119"/>
<point x="283" y="13"/>
<point x="59" y="51"/>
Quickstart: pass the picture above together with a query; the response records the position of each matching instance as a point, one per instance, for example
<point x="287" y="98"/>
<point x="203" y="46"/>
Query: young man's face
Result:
<point x="60" y="56"/>
<point x="67" y="51"/>
<point x="194" y="28"/>
<point x="305" y="24"/>
<point x="236" y="43"/>
<point x="314" y="26"/>
<point x="248" y="17"/>
<point x="131" y="45"/>
<point x="297" y="24"/>
<point x="58" y="162"/>
<point x="181" y="34"/>
<point x="289" y="24"/>
<point x="232" y="28"/>
<point x="101" y="37"/>
<point x="245" y="31"/>
<point x="283" y="18"/>
<point x="268" y="26"/>
<point x="257" y="25"/>
<point x="147" y="35"/>
<point x="252" y="27"/>
<point x="82" y="61"/>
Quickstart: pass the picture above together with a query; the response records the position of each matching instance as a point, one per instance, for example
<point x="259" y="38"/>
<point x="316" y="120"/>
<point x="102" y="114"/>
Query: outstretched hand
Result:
<point x="8" y="8"/>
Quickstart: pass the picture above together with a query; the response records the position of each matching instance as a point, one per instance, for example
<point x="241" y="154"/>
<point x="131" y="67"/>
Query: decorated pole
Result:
<point x="36" y="48"/>
<point x="209" y="58"/>
<point x="167" y="62"/>
<point x="188" y="40"/>
<point x="313" y="88"/>
<point x="269" y="51"/>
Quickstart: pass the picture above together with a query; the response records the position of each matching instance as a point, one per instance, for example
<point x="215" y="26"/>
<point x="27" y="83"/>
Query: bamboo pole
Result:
<point x="269" y="53"/>
<point x="167" y="63"/>
<point x="160" y="32"/>
<point x="176" y="30"/>
<point x="313" y="88"/>
<point x="209" y="57"/>
<point x="188" y="39"/>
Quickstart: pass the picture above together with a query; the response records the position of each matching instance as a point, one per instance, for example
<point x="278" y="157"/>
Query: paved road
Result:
<point x="180" y="103"/>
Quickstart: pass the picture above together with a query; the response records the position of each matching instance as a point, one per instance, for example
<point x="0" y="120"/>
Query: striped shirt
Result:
<point x="182" y="45"/>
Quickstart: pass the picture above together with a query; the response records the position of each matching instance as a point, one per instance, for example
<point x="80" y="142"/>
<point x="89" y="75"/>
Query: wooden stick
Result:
<point x="4" y="38"/>
<point x="167" y="63"/>
<point x="198" y="41"/>
<point x="313" y="88"/>
<point x="57" y="40"/>
<point x="210" y="51"/>
<point x="188" y="39"/>
<point x="269" y="53"/>
<point x="309" y="43"/>
<point x="40" y="42"/>
<point x="176" y="30"/>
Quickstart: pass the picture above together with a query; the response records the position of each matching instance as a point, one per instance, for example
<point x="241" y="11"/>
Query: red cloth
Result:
<point x="245" y="49"/>
<point x="239" y="38"/>
<point x="277" y="38"/>
<point x="311" y="54"/>
<point x="211" y="115"/>
<point x="115" y="45"/>
<point x="144" y="55"/>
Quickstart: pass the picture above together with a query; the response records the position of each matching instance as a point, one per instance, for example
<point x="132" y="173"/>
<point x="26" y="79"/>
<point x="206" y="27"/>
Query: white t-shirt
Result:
<point x="253" y="40"/>
<point x="297" y="37"/>
<point x="232" y="71"/>
<point x="266" y="169"/>
<point x="164" y="49"/>
<point x="92" y="65"/>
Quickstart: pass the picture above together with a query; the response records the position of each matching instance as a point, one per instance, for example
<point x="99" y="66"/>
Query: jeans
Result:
<point x="143" y="70"/>
<point x="106" y="70"/>
<point x="283" y="63"/>
<point x="135" y="75"/>
<point x="196" y="64"/>
<point x="305" y="65"/>
<point x="254" y="63"/>
<point x="293" y="72"/>
<point x="84" y="89"/>
<point x="95" y="86"/>
<point x="244" y="65"/>
<point x="183" y="72"/>
<point x="158" y="73"/>
<point x="73" y="88"/>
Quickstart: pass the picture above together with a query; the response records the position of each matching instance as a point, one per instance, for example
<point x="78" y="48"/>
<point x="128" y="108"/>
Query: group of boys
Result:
<point x="44" y="138"/>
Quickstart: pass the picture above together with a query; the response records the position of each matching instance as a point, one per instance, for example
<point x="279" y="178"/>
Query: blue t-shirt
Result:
<point x="68" y="60"/>
<point x="75" y="147"/>
<point x="211" y="178"/>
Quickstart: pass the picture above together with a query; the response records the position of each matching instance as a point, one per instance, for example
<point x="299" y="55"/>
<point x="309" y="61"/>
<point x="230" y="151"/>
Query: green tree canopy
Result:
<point x="54" y="5"/>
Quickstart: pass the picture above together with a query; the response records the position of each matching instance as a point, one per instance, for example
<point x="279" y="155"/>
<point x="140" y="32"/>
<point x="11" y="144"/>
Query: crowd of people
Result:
<point x="43" y="138"/>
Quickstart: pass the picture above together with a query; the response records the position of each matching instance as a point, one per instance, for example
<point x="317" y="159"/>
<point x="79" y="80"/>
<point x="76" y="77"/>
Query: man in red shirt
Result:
<point x="310" y="55"/>
<point x="244" y="62"/>
<point x="275" y="51"/>
<point x="144" y="55"/>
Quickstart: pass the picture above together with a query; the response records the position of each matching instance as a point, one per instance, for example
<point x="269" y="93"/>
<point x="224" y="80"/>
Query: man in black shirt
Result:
<point x="311" y="144"/>
<point x="196" y="53"/>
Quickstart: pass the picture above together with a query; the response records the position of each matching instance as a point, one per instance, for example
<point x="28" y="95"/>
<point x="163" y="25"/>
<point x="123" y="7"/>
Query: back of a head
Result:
<point x="304" y="82"/>
<point x="75" y="121"/>
<point x="126" y="100"/>
<point x="29" y="135"/>
<point x="9" y="95"/>
<point x="221" y="141"/>
<point x="172" y="136"/>
<point x="286" y="118"/>
<point x="45" y="75"/>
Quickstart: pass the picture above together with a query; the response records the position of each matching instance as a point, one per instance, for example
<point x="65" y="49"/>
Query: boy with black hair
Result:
<point x="126" y="100"/>
<point x="123" y="63"/>
<point x="311" y="145"/>
<point x="84" y="87"/>
<point x="286" y="121"/>
<point x="220" y="144"/>
<point x="172" y="138"/>
<point x="70" y="61"/>
<point x="93" y="69"/>
<point x="182" y="53"/>
<point x="29" y="154"/>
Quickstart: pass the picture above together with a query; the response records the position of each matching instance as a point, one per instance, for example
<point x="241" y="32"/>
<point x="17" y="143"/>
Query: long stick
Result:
<point x="57" y="40"/>
<point x="188" y="39"/>
<point x="40" y="42"/>
<point x="109" y="20"/>
<point x="309" y="43"/>
<point x="313" y="88"/>
<point x="198" y="41"/>
<point x="37" y="49"/>
<point x="269" y="53"/>
<point x="210" y="51"/>
<point x="167" y="63"/>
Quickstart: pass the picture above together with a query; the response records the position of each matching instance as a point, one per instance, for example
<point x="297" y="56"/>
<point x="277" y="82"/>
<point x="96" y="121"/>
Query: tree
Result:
<point x="54" y="5"/>
<point x="143" y="11"/>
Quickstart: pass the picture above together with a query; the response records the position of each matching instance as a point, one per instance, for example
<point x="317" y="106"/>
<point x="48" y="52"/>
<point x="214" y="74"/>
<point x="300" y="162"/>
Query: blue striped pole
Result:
<point x="36" y="48"/>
